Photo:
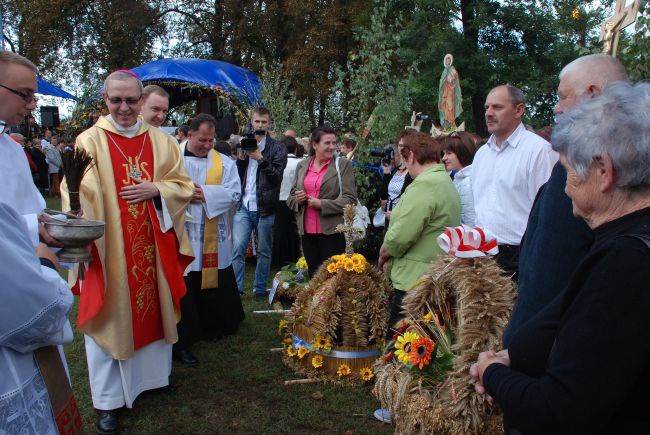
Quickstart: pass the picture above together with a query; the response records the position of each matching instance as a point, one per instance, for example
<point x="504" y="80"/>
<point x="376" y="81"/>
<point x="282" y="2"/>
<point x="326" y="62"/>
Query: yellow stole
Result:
<point x="211" y="230"/>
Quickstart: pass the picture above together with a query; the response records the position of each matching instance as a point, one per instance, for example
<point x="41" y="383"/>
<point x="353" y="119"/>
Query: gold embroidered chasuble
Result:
<point x="106" y="310"/>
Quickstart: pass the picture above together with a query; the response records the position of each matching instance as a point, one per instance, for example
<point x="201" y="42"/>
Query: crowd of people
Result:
<point x="570" y="217"/>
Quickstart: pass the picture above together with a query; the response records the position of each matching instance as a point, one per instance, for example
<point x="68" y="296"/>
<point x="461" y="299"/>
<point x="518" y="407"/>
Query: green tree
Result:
<point x="84" y="37"/>
<point x="635" y="50"/>
<point x="521" y="42"/>
<point x="285" y="106"/>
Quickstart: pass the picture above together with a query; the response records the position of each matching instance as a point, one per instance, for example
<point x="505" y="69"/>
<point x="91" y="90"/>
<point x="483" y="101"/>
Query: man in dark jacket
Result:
<point x="260" y="172"/>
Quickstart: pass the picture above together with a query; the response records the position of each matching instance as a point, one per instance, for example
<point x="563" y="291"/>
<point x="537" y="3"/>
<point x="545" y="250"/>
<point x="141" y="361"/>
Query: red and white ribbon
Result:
<point x="466" y="242"/>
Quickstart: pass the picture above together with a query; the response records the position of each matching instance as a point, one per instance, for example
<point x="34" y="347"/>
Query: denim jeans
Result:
<point x="243" y="224"/>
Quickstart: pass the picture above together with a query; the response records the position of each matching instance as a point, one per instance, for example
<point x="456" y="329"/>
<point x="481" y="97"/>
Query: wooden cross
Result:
<point x="623" y="17"/>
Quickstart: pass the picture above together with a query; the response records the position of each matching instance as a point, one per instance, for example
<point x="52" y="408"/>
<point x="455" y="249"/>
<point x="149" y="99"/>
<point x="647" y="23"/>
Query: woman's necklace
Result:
<point x="134" y="172"/>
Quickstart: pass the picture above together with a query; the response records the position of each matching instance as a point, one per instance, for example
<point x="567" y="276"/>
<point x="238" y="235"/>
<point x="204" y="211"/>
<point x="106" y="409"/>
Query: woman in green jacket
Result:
<point x="428" y="206"/>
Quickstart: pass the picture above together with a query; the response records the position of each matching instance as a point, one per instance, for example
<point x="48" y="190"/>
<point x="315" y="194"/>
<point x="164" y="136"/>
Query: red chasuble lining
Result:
<point x="139" y="239"/>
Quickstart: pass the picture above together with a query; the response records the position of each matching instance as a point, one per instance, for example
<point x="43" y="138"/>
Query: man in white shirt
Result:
<point x="508" y="172"/>
<point x="155" y="106"/>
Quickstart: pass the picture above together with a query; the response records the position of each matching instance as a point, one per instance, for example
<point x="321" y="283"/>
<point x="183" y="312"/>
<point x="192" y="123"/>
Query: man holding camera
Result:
<point x="261" y="162"/>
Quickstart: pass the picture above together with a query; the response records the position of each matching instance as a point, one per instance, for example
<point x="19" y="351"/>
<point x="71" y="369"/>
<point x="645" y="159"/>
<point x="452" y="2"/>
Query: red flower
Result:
<point x="421" y="350"/>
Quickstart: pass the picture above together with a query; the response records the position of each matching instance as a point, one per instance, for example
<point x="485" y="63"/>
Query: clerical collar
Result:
<point x="189" y="153"/>
<point x="125" y="131"/>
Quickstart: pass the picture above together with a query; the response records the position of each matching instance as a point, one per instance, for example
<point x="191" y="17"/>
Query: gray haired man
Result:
<point x="555" y="241"/>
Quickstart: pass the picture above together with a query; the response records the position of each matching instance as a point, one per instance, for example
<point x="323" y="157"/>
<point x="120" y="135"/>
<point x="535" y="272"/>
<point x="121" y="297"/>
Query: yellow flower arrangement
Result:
<point x="366" y="373"/>
<point x="356" y="263"/>
<point x="317" y="361"/>
<point x="302" y="351"/>
<point x="281" y="325"/>
<point x="344" y="370"/>
<point x="291" y="351"/>
<point x="403" y="346"/>
<point x="301" y="263"/>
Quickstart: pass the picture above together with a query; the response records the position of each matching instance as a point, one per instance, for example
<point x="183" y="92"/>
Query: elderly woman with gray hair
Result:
<point x="582" y="365"/>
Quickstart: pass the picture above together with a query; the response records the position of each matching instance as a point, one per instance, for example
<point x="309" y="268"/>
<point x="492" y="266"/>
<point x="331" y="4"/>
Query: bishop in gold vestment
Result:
<point x="131" y="291"/>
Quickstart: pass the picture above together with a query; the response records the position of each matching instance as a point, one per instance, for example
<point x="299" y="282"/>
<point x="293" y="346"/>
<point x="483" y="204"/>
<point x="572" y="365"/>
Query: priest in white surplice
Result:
<point x="18" y="79"/>
<point x="212" y="306"/>
<point x="33" y="315"/>
<point x="130" y="296"/>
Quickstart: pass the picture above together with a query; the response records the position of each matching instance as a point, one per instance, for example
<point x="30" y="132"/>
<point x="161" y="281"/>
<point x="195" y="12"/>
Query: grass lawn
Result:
<point x="238" y="388"/>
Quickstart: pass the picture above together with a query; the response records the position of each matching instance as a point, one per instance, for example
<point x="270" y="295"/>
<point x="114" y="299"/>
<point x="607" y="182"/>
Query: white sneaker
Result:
<point x="382" y="415"/>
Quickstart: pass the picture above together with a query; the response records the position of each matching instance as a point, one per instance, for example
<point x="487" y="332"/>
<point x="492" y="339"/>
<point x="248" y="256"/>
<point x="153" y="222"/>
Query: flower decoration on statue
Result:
<point x="354" y="263"/>
<point x="466" y="242"/>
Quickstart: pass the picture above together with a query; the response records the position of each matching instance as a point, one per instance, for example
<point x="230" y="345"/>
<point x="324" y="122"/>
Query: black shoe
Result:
<point x="106" y="423"/>
<point x="261" y="296"/>
<point x="185" y="357"/>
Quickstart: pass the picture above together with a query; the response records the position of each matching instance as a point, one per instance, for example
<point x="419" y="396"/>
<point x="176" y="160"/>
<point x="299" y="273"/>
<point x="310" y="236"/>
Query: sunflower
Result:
<point x="320" y="342"/>
<point x="291" y="351"/>
<point x="403" y="346"/>
<point x="332" y="267"/>
<point x="344" y="370"/>
<point x="421" y="351"/>
<point x="281" y="325"/>
<point x="302" y="351"/>
<point x="349" y="265"/>
<point x="317" y="361"/>
<point x="366" y="374"/>
<point x="360" y="268"/>
<point x="428" y="317"/>
<point x="327" y="347"/>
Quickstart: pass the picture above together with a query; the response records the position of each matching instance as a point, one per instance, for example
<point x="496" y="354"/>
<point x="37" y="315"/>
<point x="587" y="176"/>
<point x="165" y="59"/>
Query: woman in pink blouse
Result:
<point x="318" y="200"/>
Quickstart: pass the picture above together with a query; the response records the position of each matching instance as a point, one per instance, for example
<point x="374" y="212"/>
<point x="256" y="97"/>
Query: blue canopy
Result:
<point x="46" y="88"/>
<point x="231" y="78"/>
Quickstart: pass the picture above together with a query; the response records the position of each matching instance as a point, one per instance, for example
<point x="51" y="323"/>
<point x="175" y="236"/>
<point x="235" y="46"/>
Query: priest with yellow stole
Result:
<point x="212" y="306"/>
<point x="131" y="291"/>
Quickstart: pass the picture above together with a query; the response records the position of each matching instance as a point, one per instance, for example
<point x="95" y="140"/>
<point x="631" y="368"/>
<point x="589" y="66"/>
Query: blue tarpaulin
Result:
<point x="45" y="88"/>
<point x="233" y="79"/>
